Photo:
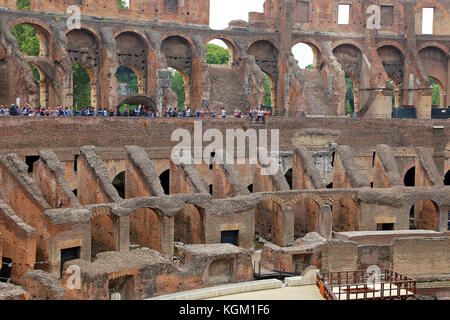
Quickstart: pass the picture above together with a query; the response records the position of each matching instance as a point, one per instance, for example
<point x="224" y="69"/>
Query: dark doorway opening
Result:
<point x="288" y="177"/>
<point x="6" y="269"/>
<point x="119" y="184"/>
<point x="165" y="181"/>
<point x="447" y="178"/>
<point x="30" y="160"/>
<point x="385" y="227"/>
<point x="75" y="163"/>
<point x="330" y="186"/>
<point x="410" y="177"/>
<point x="69" y="254"/>
<point x="75" y="192"/>
<point x="231" y="237"/>
<point x="250" y="188"/>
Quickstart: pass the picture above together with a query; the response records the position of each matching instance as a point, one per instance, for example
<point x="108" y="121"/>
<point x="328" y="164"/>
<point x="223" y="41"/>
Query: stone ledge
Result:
<point x="223" y="290"/>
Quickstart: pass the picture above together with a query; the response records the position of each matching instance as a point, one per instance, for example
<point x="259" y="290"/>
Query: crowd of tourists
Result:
<point x="255" y="114"/>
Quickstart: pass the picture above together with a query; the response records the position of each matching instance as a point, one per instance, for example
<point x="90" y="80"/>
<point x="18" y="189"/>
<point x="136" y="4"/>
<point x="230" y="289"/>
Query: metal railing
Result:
<point x="361" y="285"/>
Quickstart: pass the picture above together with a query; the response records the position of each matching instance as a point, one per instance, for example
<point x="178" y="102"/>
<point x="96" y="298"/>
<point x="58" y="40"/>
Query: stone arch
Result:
<point x="132" y="51"/>
<point x="350" y="57"/>
<point x="426" y="214"/>
<point x="272" y="220"/>
<point x="119" y="183"/>
<point x="266" y="54"/>
<point x="316" y="49"/>
<point x="346" y="212"/>
<point x="84" y="50"/>
<point x="232" y="47"/>
<point x="104" y="231"/>
<point x="180" y="53"/>
<point x="146" y="229"/>
<point x="393" y="61"/>
<point x="190" y="224"/>
<point x="43" y="86"/>
<point x="435" y="62"/>
<point x="409" y="178"/>
<point x="306" y="216"/>
<point x="43" y="33"/>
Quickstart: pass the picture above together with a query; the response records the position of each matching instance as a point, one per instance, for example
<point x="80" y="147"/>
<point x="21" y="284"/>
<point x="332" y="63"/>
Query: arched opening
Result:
<point x="410" y="177"/>
<point x="132" y="53"/>
<point x="40" y="81"/>
<point x="306" y="56"/>
<point x="393" y="63"/>
<point x="436" y="92"/>
<point x="189" y="225"/>
<point x="306" y="217"/>
<point x="179" y="56"/>
<point x="145" y="229"/>
<point x="288" y="177"/>
<point x="31" y="39"/>
<point x="119" y="184"/>
<point x="219" y="53"/>
<point x="103" y="233"/>
<point x="82" y="91"/>
<point x="424" y="215"/>
<point x="83" y="50"/>
<point x="250" y="188"/>
<point x="447" y="178"/>
<point x="351" y="59"/>
<point x="129" y="84"/>
<point x="180" y="85"/>
<point x="266" y="56"/>
<point x="435" y="64"/>
<point x="165" y="181"/>
<point x="350" y="85"/>
<point x="346" y="215"/>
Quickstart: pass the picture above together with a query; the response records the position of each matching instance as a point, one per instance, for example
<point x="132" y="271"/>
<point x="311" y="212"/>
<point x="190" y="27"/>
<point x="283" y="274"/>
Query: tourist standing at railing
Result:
<point x="224" y="113"/>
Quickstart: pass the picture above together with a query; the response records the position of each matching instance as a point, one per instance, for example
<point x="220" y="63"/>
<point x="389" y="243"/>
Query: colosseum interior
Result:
<point x="103" y="196"/>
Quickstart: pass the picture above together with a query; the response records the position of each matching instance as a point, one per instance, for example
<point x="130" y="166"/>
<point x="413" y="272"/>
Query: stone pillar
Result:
<point x="168" y="234"/>
<point x="163" y="82"/>
<point x="423" y="105"/>
<point x="43" y="93"/>
<point x="122" y="229"/>
<point x="94" y="95"/>
<point x="326" y="222"/>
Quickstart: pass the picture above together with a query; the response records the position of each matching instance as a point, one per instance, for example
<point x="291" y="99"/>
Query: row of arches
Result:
<point x="133" y="58"/>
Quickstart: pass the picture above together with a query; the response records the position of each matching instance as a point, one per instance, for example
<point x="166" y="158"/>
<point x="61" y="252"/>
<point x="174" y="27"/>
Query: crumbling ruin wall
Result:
<point x="94" y="185"/>
<point x="49" y="175"/>
<point x="386" y="173"/>
<point x="305" y="174"/>
<point x="338" y="255"/>
<point x="18" y="242"/>
<point x="273" y="222"/>
<point x="421" y="258"/>
<point x="20" y="192"/>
